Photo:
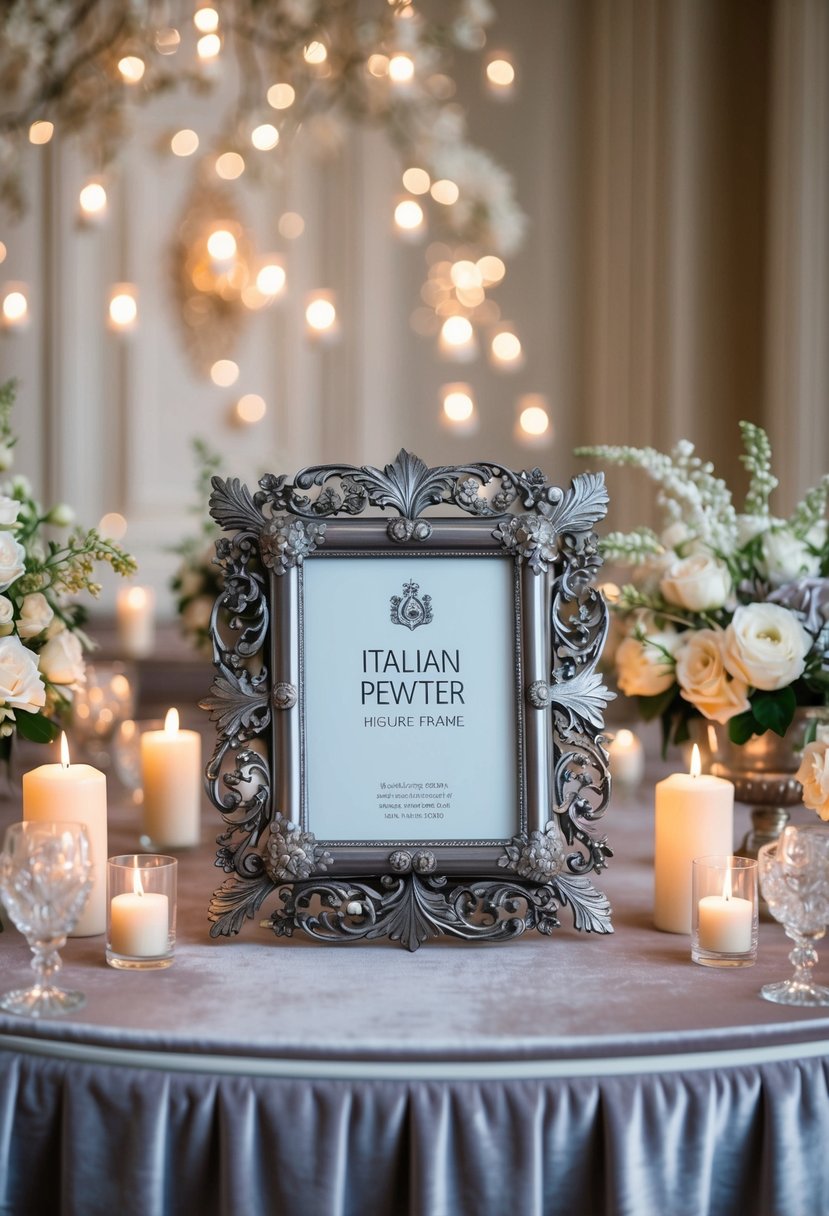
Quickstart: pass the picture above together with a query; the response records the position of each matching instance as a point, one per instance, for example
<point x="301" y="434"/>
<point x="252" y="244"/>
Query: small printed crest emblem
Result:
<point x="411" y="609"/>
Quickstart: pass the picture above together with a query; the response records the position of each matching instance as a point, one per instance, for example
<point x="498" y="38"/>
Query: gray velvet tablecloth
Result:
<point x="566" y="1076"/>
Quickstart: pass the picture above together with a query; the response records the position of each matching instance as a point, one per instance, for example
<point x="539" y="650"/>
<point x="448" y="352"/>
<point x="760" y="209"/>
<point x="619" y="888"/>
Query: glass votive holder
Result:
<point x="141" y="911"/>
<point x="724" y="911"/>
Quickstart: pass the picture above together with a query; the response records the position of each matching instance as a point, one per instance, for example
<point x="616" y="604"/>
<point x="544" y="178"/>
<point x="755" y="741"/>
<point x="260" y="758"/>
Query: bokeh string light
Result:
<point x="304" y="67"/>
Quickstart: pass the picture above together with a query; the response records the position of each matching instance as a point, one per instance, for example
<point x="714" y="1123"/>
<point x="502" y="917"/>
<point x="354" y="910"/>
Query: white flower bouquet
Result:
<point x="41" y="641"/>
<point x="197" y="579"/>
<point x="727" y="615"/>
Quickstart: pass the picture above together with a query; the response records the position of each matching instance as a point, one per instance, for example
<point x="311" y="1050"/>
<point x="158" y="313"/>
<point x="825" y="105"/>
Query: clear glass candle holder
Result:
<point x="724" y="911"/>
<point x="141" y="911"/>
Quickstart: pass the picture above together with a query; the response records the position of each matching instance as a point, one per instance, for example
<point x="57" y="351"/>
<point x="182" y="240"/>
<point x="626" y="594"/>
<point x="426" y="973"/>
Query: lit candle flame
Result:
<point x="726" y="886"/>
<point x="696" y="762"/>
<point x="64" y="750"/>
<point x="624" y="739"/>
<point x="137" y="597"/>
<point x="137" y="885"/>
<point x="171" y="722"/>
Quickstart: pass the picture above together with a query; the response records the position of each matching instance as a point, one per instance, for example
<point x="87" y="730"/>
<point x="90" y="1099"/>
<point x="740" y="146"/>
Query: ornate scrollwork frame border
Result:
<point x="472" y="890"/>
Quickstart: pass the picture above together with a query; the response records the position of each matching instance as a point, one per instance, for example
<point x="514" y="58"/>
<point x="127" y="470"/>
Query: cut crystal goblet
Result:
<point x="45" y="880"/>
<point x="794" y="880"/>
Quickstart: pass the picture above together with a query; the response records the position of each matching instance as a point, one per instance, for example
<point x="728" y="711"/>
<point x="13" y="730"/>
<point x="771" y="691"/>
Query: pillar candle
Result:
<point x="694" y="818"/>
<point x="627" y="759"/>
<point x="172" y="779"/>
<point x="76" y="793"/>
<point x="135" y="614"/>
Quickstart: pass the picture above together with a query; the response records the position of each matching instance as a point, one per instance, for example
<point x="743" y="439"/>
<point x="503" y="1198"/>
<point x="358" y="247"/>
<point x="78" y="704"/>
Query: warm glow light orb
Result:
<point x="492" y="268"/>
<point x="378" y="65"/>
<point x="224" y="372"/>
<point x="184" y="142"/>
<point x="123" y="309"/>
<point x="445" y="191"/>
<point x="251" y="408"/>
<point x="315" y="53"/>
<point x="221" y="245"/>
<point x="456" y="331"/>
<point x="417" y="181"/>
<point x="264" y="137"/>
<point x="229" y="166"/>
<point x="132" y="68"/>
<point x="320" y="314"/>
<point x="271" y="279"/>
<point x="206" y="20"/>
<point x="401" y="69"/>
<point x="41" y="132"/>
<point x="534" y="420"/>
<point x="500" y="73"/>
<point x="208" y="47"/>
<point x="458" y="406"/>
<point x="93" y="199"/>
<point x="15" y="307"/>
<point x="291" y="225"/>
<point x="506" y="347"/>
<point x="281" y="96"/>
<point x="113" y="526"/>
<point x="465" y="275"/>
<point x="408" y="215"/>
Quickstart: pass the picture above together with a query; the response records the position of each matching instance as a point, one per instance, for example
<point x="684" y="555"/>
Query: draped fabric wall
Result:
<point x="673" y="156"/>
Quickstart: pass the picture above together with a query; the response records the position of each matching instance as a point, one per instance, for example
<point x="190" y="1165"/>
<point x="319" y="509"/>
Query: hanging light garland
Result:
<point x="305" y="67"/>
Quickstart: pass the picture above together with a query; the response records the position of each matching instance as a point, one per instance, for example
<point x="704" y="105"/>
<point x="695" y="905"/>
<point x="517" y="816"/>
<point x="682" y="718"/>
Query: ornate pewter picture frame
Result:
<point x="407" y="708"/>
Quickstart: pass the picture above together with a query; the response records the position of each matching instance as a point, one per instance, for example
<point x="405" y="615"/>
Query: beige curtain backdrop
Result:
<point x="703" y="231"/>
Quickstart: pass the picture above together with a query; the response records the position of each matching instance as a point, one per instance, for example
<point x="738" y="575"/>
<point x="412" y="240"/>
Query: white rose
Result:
<point x="646" y="667"/>
<point x="12" y="560"/>
<point x="35" y="615"/>
<point x="785" y="558"/>
<point x="749" y="526"/>
<point x="813" y="773"/>
<point x="766" y="646"/>
<point x="61" y="659"/>
<point x="6" y="616"/>
<point x="61" y="516"/>
<point x="703" y="679"/>
<point x="698" y="583"/>
<point x="675" y="535"/>
<point x="20" y="682"/>
<point x="9" y="511"/>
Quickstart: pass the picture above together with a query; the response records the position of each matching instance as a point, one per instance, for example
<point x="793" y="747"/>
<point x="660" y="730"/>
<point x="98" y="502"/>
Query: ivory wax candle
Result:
<point x="694" y="817"/>
<point x="76" y="793"/>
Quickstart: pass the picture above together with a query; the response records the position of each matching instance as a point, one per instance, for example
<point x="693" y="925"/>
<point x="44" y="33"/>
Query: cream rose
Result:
<point x="698" y="583"/>
<point x="35" y="615"/>
<point x="813" y="773"/>
<point x="12" y="560"/>
<point x="9" y="511"/>
<point x="785" y="558"/>
<point x="61" y="659"/>
<point x="766" y="646"/>
<point x="20" y="684"/>
<point x="703" y="679"/>
<point x="646" y="667"/>
<point x="6" y="616"/>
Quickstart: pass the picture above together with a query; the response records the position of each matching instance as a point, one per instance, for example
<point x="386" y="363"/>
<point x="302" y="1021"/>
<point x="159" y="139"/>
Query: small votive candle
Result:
<point x="627" y="759"/>
<point x="141" y="911"/>
<point x="724" y="911"/>
<point x="135" y="615"/>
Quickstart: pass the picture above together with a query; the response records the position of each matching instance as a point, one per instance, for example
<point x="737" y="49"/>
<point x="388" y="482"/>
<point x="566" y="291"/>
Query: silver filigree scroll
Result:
<point x="266" y="848"/>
